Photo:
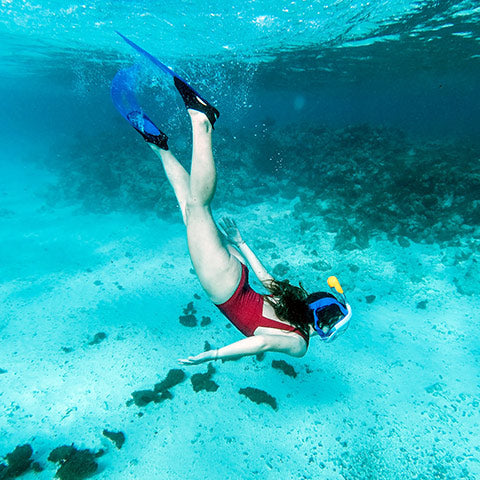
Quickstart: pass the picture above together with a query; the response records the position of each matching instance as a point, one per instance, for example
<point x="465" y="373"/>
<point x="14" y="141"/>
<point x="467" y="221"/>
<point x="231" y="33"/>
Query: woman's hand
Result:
<point x="200" y="358"/>
<point x="231" y="230"/>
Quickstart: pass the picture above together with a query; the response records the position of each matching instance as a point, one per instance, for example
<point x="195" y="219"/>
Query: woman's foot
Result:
<point x="193" y="101"/>
<point x="199" y="119"/>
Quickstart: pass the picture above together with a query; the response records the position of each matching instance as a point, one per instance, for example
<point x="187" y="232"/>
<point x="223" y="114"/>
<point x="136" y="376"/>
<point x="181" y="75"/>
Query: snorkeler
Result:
<point x="282" y="321"/>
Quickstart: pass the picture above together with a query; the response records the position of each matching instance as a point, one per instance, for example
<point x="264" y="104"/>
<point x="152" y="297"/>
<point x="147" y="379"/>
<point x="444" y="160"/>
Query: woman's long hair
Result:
<point x="290" y="303"/>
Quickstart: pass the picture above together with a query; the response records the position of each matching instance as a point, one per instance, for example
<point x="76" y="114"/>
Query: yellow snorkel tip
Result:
<point x="334" y="283"/>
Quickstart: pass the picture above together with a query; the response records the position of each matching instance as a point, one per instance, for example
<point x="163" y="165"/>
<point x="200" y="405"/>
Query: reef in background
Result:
<point x="361" y="180"/>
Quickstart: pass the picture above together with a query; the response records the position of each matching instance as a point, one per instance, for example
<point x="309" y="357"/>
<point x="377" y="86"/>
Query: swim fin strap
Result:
<point x="123" y="96"/>
<point x="191" y="97"/>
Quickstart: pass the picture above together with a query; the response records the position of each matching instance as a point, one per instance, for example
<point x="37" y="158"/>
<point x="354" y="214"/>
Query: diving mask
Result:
<point x="342" y="324"/>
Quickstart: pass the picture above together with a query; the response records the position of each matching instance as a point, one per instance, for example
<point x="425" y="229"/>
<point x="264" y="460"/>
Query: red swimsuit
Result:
<point x="244" y="309"/>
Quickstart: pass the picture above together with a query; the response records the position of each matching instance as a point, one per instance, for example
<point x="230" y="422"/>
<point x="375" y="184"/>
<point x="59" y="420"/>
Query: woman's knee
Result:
<point x="195" y="209"/>
<point x="194" y="203"/>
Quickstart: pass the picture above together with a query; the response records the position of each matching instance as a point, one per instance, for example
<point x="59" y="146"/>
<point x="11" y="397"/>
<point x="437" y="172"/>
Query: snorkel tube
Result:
<point x="342" y="324"/>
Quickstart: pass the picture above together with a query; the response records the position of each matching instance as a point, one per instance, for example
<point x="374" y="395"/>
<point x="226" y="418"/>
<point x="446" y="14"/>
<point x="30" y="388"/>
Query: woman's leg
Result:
<point x="218" y="271"/>
<point x="216" y="263"/>
<point x="177" y="176"/>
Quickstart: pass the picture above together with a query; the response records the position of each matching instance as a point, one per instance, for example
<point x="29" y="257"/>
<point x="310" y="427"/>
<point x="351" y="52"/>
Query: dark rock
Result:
<point x="98" y="282"/>
<point x="370" y="298"/>
<point x="281" y="270"/>
<point x="189" y="309"/>
<point x="2" y="371"/>
<point x="98" y="338"/>
<point x="18" y="462"/>
<point x="61" y="453"/>
<point x="196" y="296"/>
<point x="259" y="396"/>
<point x="422" y="305"/>
<point x="285" y="367"/>
<point x="79" y="465"/>
<point x="74" y="464"/>
<point x="36" y="467"/>
<point x="174" y="377"/>
<point x="205" y="321"/>
<point x="118" y="438"/>
<point x="144" y="397"/>
<point x="188" y="320"/>
<point x="203" y="381"/>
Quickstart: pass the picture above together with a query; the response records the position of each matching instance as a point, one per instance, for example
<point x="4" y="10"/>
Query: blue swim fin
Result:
<point x="123" y="96"/>
<point x="191" y="97"/>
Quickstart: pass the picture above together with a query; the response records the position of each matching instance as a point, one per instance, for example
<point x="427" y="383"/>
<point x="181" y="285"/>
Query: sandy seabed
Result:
<point x="396" y="397"/>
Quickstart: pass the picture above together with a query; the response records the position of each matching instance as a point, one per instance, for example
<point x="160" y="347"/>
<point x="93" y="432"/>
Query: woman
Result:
<point x="280" y="322"/>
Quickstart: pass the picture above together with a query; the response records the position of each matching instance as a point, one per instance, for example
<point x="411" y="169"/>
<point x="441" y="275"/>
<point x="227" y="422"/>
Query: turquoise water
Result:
<point x="348" y="144"/>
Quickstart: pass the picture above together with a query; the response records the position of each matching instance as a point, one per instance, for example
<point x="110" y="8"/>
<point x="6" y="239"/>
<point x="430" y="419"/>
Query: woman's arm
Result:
<point x="257" y="266"/>
<point x="234" y="236"/>
<point x="251" y="346"/>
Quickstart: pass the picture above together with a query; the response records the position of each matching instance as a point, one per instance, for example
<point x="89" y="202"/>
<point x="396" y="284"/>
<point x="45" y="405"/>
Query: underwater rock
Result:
<point x="205" y="321"/>
<point x="281" y="269"/>
<point x="259" y="396"/>
<point x="118" y="438"/>
<point x="422" y="305"/>
<point x="370" y="298"/>
<point x="188" y="320"/>
<point x="74" y="464"/>
<point x="285" y="367"/>
<point x="3" y="371"/>
<point x="174" y="377"/>
<point x="98" y="283"/>
<point x="141" y="398"/>
<point x="18" y="462"/>
<point x="189" y="309"/>
<point x="203" y="381"/>
<point x="61" y="453"/>
<point x="98" y="338"/>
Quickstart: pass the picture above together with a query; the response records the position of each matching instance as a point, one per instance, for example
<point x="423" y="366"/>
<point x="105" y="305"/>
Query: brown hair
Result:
<point x="291" y="304"/>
